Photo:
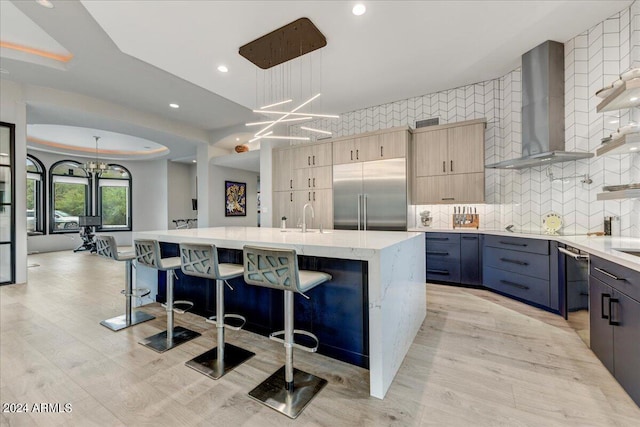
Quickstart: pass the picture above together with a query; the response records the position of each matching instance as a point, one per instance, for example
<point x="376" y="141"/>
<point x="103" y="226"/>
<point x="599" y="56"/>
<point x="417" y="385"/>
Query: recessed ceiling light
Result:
<point x="359" y="9"/>
<point x="174" y="106"/>
<point x="635" y="98"/>
<point x="633" y="148"/>
<point x="194" y="161"/>
<point x="45" y="3"/>
<point x="3" y="71"/>
<point x="237" y="139"/>
<point x="222" y="68"/>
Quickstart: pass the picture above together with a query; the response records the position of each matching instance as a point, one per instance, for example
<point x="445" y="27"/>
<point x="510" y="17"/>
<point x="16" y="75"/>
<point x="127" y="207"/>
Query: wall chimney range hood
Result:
<point x="542" y="110"/>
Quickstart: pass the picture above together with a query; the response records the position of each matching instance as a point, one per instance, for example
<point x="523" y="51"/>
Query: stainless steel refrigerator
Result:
<point x="370" y="195"/>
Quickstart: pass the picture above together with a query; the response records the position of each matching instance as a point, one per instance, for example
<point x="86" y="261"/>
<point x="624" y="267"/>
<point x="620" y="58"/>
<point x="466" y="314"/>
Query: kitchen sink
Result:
<point x="634" y="252"/>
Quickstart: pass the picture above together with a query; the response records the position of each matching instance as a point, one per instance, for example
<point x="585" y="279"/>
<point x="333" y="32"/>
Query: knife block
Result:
<point x="466" y="221"/>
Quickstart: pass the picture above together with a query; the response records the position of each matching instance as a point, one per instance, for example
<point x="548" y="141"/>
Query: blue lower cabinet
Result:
<point x="470" y="260"/>
<point x="526" y="288"/>
<point x="336" y="311"/>
<point x="453" y="258"/>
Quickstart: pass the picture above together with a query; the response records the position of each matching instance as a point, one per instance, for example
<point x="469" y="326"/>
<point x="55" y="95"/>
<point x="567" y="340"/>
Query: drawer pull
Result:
<point x="469" y="237"/>
<point x="514" y="261"/>
<point x="442" y="272"/>
<point x="602" y="297"/>
<point x="437" y="253"/>
<point x="437" y="238"/>
<point x="443" y="166"/>
<point x="513" y="244"/>
<point x="448" y="198"/>
<point x="516" y="285"/>
<point x="611" y="321"/>
<point x="606" y="273"/>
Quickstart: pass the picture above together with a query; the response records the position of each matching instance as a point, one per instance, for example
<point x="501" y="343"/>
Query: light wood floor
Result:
<point x="479" y="359"/>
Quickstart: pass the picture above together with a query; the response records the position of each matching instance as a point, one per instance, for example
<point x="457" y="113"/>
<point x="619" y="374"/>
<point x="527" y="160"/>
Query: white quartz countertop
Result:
<point x="606" y="247"/>
<point x="349" y="244"/>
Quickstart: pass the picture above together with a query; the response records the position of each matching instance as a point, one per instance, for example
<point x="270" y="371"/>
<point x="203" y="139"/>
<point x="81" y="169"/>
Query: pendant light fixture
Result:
<point x="278" y="54"/>
<point x="95" y="167"/>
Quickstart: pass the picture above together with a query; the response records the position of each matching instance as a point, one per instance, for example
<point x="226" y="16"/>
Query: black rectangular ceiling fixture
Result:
<point x="284" y="44"/>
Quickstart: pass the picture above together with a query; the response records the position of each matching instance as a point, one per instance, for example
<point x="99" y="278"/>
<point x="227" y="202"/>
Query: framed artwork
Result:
<point x="235" y="198"/>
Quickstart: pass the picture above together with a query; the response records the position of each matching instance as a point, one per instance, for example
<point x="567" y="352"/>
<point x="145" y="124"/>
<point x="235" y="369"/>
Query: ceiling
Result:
<point x="145" y="54"/>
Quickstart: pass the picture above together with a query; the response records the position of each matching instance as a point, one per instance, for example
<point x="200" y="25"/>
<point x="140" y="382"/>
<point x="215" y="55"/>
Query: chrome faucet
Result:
<point x="304" y="216"/>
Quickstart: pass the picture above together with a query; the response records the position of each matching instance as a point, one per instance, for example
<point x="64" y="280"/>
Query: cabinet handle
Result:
<point x="314" y="183"/>
<point x="351" y="154"/>
<point x="438" y="253"/>
<point x="469" y="238"/>
<point x="514" y="261"/>
<point x="602" y="297"/>
<point x="611" y="301"/>
<point x="314" y="160"/>
<point x="357" y="154"/>
<point x="451" y="165"/>
<point x="308" y="160"/>
<point x="513" y="244"/>
<point x="437" y="238"/>
<point x="291" y="197"/>
<point x="444" y="166"/>
<point x="606" y="273"/>
<point x="309" y="195"/>
<point x="309" y="182"/>
<point x="442" y="272"/>
<point x="291" y="184"/>
<point x="515" y="285"/>
<point x="448" y="198"/>
<point x="381" y="152"/>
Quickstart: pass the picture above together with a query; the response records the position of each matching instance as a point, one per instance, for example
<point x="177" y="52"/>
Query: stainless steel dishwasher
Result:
<point x="573" y="268"/>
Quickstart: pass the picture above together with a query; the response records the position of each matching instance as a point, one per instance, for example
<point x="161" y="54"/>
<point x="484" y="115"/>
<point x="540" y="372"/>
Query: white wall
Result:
<point x="218" y="175"/>
<point x="13" y="110"/>
<point x="180" y="191"/>
<point x="149" y="203"/>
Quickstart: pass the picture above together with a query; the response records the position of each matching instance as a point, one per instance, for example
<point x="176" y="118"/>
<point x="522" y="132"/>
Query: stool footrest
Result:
<point x="275" y="336"/>
<point x="136" y="293"/>
<point x="213" y="320"/>
<point x="187" y="305"/>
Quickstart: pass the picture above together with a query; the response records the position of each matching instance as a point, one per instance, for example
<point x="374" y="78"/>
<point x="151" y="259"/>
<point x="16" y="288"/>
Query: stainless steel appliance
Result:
<point x="573" y="267"/>
<point x="370" y="195"/>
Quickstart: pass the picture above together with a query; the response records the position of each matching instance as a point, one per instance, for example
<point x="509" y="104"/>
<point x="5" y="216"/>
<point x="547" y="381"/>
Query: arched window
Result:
<point x="70" y="196"/>
<point x="35" y="195"/>
<point x="114" y="198"/>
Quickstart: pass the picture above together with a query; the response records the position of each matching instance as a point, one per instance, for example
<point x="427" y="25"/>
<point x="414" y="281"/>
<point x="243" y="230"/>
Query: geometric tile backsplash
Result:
<point x="593" y="59"/>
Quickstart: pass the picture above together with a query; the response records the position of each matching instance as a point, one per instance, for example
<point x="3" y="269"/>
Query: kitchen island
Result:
<point x="394" y="280"/>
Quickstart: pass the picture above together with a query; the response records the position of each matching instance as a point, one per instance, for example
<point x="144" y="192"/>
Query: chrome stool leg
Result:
<point x="288" y="390"/>
<point x="130" y="317"/>
<point x="173" y="336"/>
<point x="225" y="357"/>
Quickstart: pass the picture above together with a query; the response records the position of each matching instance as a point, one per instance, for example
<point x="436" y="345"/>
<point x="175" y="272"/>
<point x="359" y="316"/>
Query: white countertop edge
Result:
<point x="600" y="246"/>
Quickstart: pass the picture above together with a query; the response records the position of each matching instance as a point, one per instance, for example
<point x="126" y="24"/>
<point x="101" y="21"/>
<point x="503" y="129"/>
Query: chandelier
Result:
<point x="95" y="167"/>
<point x="279" y="54"/>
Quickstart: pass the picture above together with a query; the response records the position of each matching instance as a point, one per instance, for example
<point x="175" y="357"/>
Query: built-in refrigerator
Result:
<point x="370" y="195"/>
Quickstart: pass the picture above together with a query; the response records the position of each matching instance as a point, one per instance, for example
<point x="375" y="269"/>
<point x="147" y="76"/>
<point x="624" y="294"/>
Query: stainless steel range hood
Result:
<point x="542" y="110"/>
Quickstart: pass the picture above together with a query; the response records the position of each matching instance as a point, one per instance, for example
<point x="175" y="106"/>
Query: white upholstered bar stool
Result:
<point x="202" y="261"/>
<point x="148" y="254"/>
<point x="106" y="247"/>
<point x="288" y="390"/>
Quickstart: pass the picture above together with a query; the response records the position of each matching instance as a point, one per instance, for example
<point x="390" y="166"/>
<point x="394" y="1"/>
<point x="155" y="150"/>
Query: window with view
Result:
<point x="35" y="194"/>
<point x="114" y="198"/>
<point x="70" y="196"/>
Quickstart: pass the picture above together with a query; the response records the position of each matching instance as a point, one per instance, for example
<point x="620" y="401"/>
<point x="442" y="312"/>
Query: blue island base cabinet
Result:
<point x="336" y="311"/>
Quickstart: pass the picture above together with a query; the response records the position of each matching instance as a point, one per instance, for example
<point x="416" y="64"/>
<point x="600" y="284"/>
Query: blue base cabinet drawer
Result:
<point x="520" y="286"/>
<point x="617" y="276"/>
<point x="443" y="271"/>
<point x="536" y="246"/>
<point x="534" y="265"/>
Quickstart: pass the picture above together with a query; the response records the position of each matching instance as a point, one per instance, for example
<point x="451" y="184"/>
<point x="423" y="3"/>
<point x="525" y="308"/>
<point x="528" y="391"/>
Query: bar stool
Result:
<point x="288" y="390"/>
<point x="148" y="254"/>
<point x="202" y="261"/>
<point x="106" y="247"/>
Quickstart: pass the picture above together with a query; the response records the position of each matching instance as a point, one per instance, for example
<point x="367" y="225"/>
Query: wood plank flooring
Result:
<point x="479" y="359"/>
